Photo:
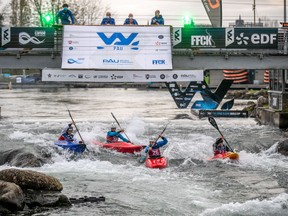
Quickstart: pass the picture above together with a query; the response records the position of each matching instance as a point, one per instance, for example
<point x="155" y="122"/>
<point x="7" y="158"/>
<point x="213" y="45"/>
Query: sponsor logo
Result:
<point x="59" y="75"/>
<point x="49" y="75"/>
<point x="87" y="76"/>
<point x="114" y="77"/>
<point x="160" y="36"/>
<point x="256" y="39"/>
<point x="230" y="34"/>
<point x="6" y="35"/>
<point x="73" y="42"/>
<point x="135" y="76"/>
<point x="161" y="50"/>
<point x="95" y="76"/>
<point x="177" y="35"/>
<point x="211" y="5"/>
<point x="80" y="76"/>
<point x="182" y="104"/>
<point x="103" y="76"/>
<point x="202" y="40"/>
<point x="72" y="76"/>
<point x="187" y="76"/>
<point x="178" y="98"/>
<point x="117" y="61"/>
<point x="71" y="48"/>
<point x="189" y="94"/>
<point x="25" y="38"/>
<point x="175" y="76"/>
<point x="111" y="61"/>
<point x="40" y="33"/>
<point x="75" y="61"/>
<point x="117" y="39"/>
<point x="162" y="76"/>
<point x="150" y="76"/>
<point x="157" y="43"/>
<point x="158" y="62"/>
<point x="244" y="39"/>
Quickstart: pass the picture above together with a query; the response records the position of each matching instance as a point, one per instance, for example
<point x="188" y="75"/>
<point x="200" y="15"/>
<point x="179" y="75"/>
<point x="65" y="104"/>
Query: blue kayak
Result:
<point x="78" y="148"/>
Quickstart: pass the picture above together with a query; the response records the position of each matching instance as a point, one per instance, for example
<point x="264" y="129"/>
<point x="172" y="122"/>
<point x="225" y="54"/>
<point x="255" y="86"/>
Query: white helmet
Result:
<point x="113" y="125"/>
<point x="151" y="139"/>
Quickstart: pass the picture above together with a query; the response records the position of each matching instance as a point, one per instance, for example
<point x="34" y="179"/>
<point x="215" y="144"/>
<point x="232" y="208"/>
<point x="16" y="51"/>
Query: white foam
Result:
<point x="276" y="206"/>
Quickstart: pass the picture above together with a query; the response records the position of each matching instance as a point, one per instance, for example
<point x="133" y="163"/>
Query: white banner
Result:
<point x="59" y="75"/>
<point x="117" y="47"/>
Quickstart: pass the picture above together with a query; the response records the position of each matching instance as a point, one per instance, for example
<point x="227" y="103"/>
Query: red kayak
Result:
<point x="122" y="147"/>
<point x="160" y="162"/>
<point x="230" y="155"/>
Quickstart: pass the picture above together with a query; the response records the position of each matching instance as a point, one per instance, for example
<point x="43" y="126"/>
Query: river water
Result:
<point x="191" y="185"/>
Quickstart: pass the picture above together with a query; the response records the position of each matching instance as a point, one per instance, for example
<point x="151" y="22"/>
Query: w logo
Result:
<point x="118" y="39"/>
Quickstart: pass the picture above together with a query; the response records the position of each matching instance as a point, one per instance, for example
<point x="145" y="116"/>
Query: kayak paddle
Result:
<point x="76" y="127"/>
<point x="120" y="127"/>
<point x="214" y="124"/>
<point x="144" y="157"/>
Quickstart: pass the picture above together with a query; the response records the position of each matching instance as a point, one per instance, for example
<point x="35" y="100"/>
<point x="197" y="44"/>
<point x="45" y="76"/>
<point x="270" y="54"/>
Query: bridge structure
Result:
<point x="193" y="50"/>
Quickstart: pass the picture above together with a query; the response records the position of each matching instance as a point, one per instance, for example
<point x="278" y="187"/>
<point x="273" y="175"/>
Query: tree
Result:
<point x="86" y="12"/>
<point x="89" y="11"/>
<point x="38" y="7"/>
<point x="21" y="13"/>
<point x="43" y="12"/>
<point x="1" y="19"/>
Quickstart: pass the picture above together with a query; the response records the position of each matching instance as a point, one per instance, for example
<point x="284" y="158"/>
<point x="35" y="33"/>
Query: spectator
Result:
<point x="64" y="16"/>
<point x="108" y="20"/>
<point x="157" y="19"/>
<point x="130" y="20"/>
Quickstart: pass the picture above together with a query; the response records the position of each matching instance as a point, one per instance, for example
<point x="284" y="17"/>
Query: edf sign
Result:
<point x="263" y="38"/>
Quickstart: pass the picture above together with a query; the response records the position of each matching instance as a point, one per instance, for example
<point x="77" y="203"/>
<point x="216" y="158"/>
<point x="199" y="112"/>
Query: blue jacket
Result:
<point x="115" y="135"/>
<point x="108" y="21"/>
<point x="157" y="145"/>
<point x="158" y="20"/>
<point x="127" y="22"/>
<point x="64" y="16"/>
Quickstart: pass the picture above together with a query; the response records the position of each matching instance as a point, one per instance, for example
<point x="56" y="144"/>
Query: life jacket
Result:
<point x="155" y="153"/>
<point x="66" y="137"/>
<point x="220" y="150"/>
<point x="111" y="139"/>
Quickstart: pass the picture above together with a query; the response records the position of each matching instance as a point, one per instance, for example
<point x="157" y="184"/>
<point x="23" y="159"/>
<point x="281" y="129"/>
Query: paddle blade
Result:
<point x="142" y="159"/>
<point x="213" y="122"/>
<point x="228" y="105"/>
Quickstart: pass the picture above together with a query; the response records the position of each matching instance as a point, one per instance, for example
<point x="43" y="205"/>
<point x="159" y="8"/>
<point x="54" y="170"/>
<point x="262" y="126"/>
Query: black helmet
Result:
<point x="69" y="129"/>
<point x="219" y="140"/>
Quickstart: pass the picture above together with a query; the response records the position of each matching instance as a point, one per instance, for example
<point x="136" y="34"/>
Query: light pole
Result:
<point x="284" y="10"/>
<point x="254" y="9"/>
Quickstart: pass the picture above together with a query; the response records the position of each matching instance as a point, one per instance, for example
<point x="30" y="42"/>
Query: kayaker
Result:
<point x="113" y="135"/>
<point x="154" y="147"/>
<point x="219" y="147"/>
<point x="67" y="135"/>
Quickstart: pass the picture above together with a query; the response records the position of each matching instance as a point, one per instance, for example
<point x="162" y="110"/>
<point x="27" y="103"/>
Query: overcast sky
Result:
<point x="174" y="11"/>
